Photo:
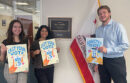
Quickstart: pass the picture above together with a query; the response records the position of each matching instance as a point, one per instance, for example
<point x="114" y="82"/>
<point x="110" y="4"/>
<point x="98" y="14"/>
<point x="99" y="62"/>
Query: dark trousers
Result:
<point x="113" y="68"/>
<point x="44" y="75"/>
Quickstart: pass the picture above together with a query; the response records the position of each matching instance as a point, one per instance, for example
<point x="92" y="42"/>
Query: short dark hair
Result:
<point x="38" y="34"/>
<point x="103" y="7"/>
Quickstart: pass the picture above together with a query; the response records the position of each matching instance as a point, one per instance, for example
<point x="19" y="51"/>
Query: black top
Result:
<point x="37" y="59"/>
<point x="25" y="41"/>
<point x="5" y="42"/>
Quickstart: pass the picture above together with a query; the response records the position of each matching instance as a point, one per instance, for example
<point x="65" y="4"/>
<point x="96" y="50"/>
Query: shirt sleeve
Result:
<point x="122" y="41"/>
<point x="4" y="42"/>
<point x="34" y="46"/>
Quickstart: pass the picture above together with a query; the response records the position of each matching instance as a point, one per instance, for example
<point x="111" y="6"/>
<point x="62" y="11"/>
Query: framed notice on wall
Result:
<point x="3" y="22"/>
<point x="61" y="27"/>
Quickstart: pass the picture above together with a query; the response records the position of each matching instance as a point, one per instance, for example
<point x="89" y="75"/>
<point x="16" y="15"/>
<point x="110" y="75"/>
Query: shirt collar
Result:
<point x="110" y="22"/>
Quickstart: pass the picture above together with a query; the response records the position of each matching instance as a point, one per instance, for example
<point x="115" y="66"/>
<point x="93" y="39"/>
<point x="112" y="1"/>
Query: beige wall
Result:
<point x="66" y="71"/>
<point x="3" y="29"/>
<point x="35" y="24"/>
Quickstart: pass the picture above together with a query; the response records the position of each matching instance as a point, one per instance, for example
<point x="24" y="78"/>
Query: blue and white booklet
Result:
<point x="92" y="53"/>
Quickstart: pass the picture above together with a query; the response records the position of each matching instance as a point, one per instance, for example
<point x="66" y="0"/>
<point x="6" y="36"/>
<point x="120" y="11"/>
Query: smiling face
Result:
<point x="44" y="33"/>
<point x="104" y="15"/>
<point x="16" y="30"/>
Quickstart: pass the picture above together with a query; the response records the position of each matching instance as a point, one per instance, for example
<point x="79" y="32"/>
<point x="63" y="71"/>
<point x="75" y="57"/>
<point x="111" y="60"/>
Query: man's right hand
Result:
<point x="96" y="68"/>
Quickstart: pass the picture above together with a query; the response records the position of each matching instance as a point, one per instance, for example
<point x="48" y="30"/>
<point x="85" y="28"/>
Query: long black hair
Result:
<point x="9" y="33"/>
<point x="38" y="34"/>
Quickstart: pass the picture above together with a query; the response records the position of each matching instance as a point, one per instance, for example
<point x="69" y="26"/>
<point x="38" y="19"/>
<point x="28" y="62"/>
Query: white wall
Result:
<point x="66" y="71"/>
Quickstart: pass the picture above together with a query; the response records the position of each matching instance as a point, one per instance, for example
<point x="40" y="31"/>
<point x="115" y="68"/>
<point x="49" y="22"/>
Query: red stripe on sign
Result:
<point x="81" y="63"/>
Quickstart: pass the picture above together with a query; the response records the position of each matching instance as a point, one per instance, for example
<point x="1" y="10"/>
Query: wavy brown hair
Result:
<point x="9" y="33"/>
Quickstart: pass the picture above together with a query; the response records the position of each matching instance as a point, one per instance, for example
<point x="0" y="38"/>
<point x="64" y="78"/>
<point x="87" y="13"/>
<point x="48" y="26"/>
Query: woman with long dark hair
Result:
<point x="15" y="35"/>
<point x="44" y="74"/>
